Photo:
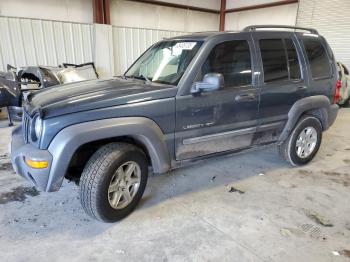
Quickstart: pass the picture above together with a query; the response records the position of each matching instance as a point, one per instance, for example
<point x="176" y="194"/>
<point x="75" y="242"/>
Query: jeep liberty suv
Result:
<point x="185" y="99"/>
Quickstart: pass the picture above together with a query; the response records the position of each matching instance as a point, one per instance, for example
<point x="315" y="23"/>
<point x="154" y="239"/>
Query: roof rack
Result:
<point x="254" y="27"/>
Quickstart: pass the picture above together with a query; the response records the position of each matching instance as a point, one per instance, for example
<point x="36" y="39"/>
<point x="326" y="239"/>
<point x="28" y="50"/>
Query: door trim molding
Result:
<point x="244" y="131"/>
<point x="199" y="139"/>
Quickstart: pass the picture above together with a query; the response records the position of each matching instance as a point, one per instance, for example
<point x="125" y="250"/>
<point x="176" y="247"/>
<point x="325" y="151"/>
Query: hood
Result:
<point x="94" y="94"/>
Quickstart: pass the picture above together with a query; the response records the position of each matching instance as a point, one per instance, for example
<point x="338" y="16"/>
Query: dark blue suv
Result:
<point x="185" y="99"/>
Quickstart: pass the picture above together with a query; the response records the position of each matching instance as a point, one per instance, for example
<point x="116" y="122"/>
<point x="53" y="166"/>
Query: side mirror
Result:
<point x="211" y="82"/>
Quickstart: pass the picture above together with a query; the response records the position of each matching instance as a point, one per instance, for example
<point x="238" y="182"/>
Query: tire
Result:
<point x="346" y="103"/>
<point x="288" y="150"/>
<point x="102" y="174"/>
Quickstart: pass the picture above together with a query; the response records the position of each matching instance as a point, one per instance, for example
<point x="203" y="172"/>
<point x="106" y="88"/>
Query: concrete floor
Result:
<point x="283" y="214"/>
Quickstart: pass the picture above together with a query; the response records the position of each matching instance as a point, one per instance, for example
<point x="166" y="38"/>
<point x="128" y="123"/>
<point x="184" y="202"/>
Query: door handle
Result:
<point x="245" y="97"/>
<point x="302" y="87"/>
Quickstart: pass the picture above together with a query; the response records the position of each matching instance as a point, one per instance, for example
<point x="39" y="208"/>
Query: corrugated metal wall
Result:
<point x="332" y="19"/>
<point x="43" y="42"/>
<point x="130" y="43"/>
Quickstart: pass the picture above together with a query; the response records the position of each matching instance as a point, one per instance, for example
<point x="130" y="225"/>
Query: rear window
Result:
<point x="318" y="58"/>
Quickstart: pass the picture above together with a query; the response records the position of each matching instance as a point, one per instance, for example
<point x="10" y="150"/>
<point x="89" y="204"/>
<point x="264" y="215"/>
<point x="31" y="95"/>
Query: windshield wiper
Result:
<point x="144" y="77"/>
<point x="141" y="76"/>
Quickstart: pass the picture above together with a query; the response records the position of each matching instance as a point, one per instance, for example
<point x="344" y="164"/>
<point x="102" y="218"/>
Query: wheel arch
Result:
<point x="145" y="132"/>
<point x="317" y="106"/>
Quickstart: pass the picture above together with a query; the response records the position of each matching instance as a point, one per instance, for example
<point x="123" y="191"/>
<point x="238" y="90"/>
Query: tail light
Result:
<point x="336" y="97"/>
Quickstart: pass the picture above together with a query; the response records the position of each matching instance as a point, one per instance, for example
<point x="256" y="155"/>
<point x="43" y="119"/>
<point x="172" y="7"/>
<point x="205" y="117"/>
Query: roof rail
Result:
<point x="254" y="27"/>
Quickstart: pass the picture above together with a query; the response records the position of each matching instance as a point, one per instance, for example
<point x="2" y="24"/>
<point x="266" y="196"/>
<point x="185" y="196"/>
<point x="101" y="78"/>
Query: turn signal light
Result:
<point x="37" y="164"/>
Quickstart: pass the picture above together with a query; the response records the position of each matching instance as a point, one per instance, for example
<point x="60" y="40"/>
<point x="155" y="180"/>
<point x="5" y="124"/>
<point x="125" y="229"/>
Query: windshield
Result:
<point x="165" y="62"/>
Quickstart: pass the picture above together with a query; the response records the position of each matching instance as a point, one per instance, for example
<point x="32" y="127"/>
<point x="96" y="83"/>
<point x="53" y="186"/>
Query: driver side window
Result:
<point x="232" y="60"/>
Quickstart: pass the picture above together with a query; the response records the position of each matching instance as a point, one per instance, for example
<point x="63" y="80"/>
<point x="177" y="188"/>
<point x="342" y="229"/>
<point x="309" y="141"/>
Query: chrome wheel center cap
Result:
<point x="122" y="184"/>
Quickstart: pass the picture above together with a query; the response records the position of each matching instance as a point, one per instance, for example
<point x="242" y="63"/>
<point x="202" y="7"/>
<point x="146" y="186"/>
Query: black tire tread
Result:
<point x="94" y="169"/>
<point x="284" y="149"/>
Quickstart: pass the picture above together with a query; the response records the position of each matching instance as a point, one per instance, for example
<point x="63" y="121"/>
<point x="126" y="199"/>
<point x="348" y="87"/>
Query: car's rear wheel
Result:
<point x="303" y="143"/>
<point x="346" y="103"/>
<point x="113" y="181"/>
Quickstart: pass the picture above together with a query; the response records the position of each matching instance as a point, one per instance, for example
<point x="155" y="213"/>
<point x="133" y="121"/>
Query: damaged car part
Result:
<point x="16" y="83"/>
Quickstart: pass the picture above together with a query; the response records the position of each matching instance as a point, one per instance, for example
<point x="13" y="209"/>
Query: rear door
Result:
<point x="281" y="81"/>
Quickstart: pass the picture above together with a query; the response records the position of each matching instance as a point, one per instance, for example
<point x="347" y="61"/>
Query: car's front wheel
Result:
<point x="303" y="143"/>
<point x="113" y="181"/>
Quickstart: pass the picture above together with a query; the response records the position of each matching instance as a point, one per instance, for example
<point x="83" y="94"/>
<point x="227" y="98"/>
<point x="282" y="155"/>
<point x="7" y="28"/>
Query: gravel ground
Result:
<point x="248" y="207"/>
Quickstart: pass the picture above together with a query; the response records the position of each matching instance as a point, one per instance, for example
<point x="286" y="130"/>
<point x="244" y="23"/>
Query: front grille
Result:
<point x="25" y="126"/>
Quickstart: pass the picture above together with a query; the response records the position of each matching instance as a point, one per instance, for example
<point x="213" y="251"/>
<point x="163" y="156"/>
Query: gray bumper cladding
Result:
<point x="332" y="114"/>
<point x="21" y="151"/>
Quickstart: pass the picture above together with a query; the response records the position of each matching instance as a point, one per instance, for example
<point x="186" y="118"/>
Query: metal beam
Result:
<point x="187" y="7"/>
<point x="101" y="11"/>
<point x="222" y="15"/>
<point x="252" y="7"/>
<point x="107" y="12"/>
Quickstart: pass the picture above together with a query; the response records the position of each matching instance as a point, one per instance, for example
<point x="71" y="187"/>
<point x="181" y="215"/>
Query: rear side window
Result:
<point x="232" y="60"/>
<point x="318" y="58"/>
<point x="274" y="60"/>
<point x="293" y="62"/>
<point x="280" y="60"/>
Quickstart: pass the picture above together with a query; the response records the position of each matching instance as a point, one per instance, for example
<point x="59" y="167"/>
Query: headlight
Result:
<point x="37" y="125"/>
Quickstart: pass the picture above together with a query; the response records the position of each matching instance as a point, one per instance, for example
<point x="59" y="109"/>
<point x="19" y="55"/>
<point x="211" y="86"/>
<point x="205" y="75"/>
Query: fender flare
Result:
<point x="320" y="103"/>
<point x="69" y="139"/>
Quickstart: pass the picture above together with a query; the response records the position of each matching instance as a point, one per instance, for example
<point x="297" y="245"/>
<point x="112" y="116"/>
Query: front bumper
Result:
<point x="21" y="151"/>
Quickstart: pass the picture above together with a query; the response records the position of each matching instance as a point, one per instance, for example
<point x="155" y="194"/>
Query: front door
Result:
<point x="225" y="119"/>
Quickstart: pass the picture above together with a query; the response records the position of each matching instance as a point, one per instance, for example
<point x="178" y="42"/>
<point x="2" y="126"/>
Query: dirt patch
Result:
<point x="340" y="181"/>
<point x="304" y="172"/>
<point x="317" y="218"/>
<point x="346" y="161"/>
<point x="345" y="253"/>
<point x="288" y="232"/>
<point x="331" y="173"/>
<point x="6" y="167"/>
<point x="18" y="194"/>
<point x="347" y="226"/>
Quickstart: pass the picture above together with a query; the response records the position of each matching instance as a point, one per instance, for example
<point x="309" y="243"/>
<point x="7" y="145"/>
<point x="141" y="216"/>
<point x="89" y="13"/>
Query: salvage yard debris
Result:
<point x="233" y="189"/>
